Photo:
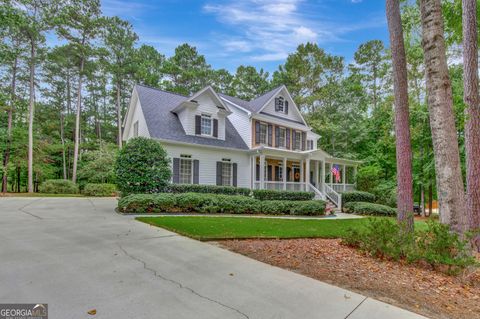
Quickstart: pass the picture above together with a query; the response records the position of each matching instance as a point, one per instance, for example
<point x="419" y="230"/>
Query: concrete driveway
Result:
<point x="76" y="254"/>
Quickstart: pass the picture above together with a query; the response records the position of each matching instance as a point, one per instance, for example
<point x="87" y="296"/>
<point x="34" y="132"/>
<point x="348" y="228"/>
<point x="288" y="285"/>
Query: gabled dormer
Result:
<point x="280" y="105"/>
<point x="203" y="114"/>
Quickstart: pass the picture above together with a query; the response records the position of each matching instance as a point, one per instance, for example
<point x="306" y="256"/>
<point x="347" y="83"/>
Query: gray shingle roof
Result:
<point x="164" y="124"/>
<point x="254" y="105"/>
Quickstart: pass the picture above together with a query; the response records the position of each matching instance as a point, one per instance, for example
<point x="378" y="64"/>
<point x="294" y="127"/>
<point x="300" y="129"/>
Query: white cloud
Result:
<point x="268" y="28"/>
<point x="356" y="1"/>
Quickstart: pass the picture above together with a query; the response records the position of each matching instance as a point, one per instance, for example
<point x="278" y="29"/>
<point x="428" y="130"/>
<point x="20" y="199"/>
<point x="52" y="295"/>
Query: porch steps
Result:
<point x="331" y="207"/>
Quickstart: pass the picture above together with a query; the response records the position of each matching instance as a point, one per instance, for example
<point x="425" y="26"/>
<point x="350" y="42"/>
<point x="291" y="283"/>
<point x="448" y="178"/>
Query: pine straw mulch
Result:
<point x="414" y="287"/>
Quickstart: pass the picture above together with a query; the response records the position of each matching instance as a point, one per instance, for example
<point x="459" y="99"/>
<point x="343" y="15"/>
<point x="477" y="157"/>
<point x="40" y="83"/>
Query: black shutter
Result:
<point x="294" y="138"/>
<point x="287" y="139"/>
<point x="215" y="128"/>
<point x="257" y="132"/>
<point x="270" y="128"/>
<point x="269" y="172"/>
<point x="304" y="137"/>
<point x="277" y="136"/>
<point x="257" y="172"/>
<point x="276" y="104"/>
<point x="219" y="173"/>
<point x="198" y="124"/>
<point x="286" y="107"/>
<point x="234" y="168"/>
<point x="277" y="173"/>
<point x="196" y="171"/>
<point x="176" y="170"/>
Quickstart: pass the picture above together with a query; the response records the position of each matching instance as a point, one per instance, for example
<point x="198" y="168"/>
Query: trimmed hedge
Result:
<point x="357" y="196"/>
<point x="208" y="189"/>
<point x="104" y="189"/>
<point x="58" y="186"/>
<point x="267" y="194"/>
<point x="215" y="204"/>
<point x="362" y="208"/>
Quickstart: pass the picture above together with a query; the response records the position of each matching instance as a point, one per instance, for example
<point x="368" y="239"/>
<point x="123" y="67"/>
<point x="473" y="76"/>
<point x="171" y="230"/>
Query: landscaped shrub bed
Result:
<point x="215" y="204"/>
<point x="210" y="189"/>
<point x="362" y="208"/>
<point x="267" y="194"/>
<point x="100" y="189"/>
<point x="58" y="186"/>
<point x="434" y="245"/>
<point x="357" y="196"/>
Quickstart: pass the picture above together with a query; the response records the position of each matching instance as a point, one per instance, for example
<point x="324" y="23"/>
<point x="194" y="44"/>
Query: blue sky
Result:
<point x="253" y="32"/>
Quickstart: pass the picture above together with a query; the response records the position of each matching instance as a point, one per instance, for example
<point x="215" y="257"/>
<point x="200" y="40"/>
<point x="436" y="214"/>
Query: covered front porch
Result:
<point x="303" y="171"/>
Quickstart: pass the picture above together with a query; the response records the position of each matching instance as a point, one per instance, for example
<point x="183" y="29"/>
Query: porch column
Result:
<point x="253" y="168"/>
<point x="307" y="173"/>
<point x="302" y="179"/>
<point x="284" y="173"/>
<point x="262" y="171"/>
<point x="331" y="175"/>
<point x="344" y="174"/>
<point x="323" y="176"/>
<point x="317" y="185"/>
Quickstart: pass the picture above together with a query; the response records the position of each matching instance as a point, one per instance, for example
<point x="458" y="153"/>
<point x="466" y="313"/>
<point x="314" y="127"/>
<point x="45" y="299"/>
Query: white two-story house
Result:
<point x="216" y="139"/>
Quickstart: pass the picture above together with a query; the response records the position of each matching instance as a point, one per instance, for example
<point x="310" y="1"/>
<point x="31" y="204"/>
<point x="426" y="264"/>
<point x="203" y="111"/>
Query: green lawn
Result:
<point x="211" y="228"/>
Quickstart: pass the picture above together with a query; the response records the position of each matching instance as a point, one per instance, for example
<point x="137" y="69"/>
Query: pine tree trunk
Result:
<point x="77" y="121"/>
<point x="119" y="116"/>
<point x="451" y="195"/>
<point x="402" y="121"/>
<point x="6" y="155"/>
<point x="472" y="125"/>
<point x="31" y="112"/>
<point x="62" y="137"/>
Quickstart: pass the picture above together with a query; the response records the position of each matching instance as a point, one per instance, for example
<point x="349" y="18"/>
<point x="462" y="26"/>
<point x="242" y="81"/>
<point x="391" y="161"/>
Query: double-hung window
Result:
<point x="263" y="133"/>
<point x="298" y="140"/>
<point x="206" y="125"/>
<point x="227" y="176"/>
<point x="281" y="137"/>
<point x="186" y="174"/>
<point x="280" y="104"/>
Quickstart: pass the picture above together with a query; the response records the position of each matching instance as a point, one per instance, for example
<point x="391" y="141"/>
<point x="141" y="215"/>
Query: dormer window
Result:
<point x="206" y="125"/>
<point x="281" y="105"/>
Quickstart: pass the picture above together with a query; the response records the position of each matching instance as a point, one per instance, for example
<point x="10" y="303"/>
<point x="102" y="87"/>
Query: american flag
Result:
<point x="336" y="173"/>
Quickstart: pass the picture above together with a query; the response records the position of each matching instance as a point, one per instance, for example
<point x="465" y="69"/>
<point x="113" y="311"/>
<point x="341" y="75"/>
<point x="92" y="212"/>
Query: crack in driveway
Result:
<point x="22" y="209"/>
<point x="356" y="307"/>
<point x="180" y="285"/>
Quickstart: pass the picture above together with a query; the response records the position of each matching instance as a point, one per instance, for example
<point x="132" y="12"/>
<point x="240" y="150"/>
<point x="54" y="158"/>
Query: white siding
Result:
<point x="208" y="158"/>
<point x="293" y="114"/>
<point x="187" y="118"/>
<point x="314" y="138"/>
<point x="137" y="115"/>
<point x="242" y="123"/>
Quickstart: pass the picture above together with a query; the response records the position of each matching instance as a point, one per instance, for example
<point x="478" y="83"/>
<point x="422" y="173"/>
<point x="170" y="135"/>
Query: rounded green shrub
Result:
<point x="207" y="189"/>
<point x="100" y="189"/>
<point x="58" y="186"/>
<point x="357" y="196"/>
<point x="309" y="208"/>
<point x="142" y="166"/>
<point x="362" y="208"/>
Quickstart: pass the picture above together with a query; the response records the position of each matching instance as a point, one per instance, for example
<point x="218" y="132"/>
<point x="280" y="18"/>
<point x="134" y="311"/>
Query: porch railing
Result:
<point x="343" y="187"/>
<point x="335" y="197"/>
<point x="278" y="185"/>
<point x="318" y="194"/>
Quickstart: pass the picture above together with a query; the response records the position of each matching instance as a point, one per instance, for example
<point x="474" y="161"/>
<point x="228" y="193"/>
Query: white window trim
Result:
<point x="266" y="133"/>
<point x="209" y="117"/>
<point x="230" y="182"/>
<point x="185" y="158"/>
<point x="300" y="141"/>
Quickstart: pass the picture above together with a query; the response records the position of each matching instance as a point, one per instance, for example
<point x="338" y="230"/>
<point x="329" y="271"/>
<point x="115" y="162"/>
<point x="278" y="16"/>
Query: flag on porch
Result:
<point x="336" y="173"/>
